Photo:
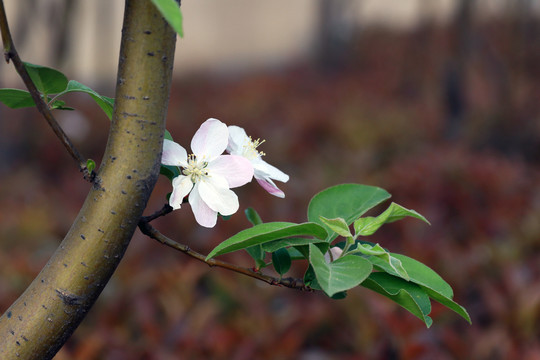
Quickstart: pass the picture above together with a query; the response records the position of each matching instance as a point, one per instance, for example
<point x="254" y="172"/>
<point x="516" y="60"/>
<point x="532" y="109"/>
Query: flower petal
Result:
<point x="238" y="139"/>
<point x="236" y="169"/>
<point x="269" y="186"/>
<point x="182" y="185"/>
<point x="210" y="140"/>
<point x="173" y="154"/>
<point x="216" y="194"/>
<point x="203" y="214"/>
<point x="265" y="170"/>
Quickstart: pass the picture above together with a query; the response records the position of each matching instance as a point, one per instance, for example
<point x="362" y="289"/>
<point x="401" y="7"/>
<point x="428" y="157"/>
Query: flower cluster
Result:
<point x="208" y="175"/>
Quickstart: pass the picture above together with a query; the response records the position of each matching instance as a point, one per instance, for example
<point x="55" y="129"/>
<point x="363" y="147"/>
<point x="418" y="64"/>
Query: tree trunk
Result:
<point x="46" y="314"/>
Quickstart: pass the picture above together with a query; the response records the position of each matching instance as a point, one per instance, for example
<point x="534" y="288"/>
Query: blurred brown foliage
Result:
<point x="381" y="118"/>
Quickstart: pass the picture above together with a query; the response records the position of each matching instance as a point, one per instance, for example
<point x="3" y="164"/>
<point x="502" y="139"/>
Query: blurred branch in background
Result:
<point x="61" y="19"/>
<point x="510" y="130"/>
<point x="455" y="76"/>
<point x="57" y="16"/>
<point x="335" y="30"/>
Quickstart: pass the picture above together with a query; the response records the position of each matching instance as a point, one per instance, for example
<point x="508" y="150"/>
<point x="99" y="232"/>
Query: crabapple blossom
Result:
<point x="207" y="175"/>
<point x="242" y="144"/>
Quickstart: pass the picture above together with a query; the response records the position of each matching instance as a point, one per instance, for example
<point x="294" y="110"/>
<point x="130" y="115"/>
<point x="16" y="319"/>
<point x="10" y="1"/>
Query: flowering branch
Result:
<point x="150" y="231"/>
<point x="10" y="53"/>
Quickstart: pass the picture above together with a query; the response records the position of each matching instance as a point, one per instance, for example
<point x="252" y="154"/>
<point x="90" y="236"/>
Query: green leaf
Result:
<point x="168" y="135"/>
<point x="294" y="241"/>
<point x="105" y="103"/>
<point x="295" y="254"/>
<point x="423" y="275"/>
<point x="90" y="165"/>
<point x="169" y="171"/>
<point x="262" y="233"/>
<point x="338" y="225"/>
<point x="406" y="294"/>
<point x="16" y="99"/>
<point x="252" y="216"/>
<point x="437" y="289"/>
<point x="448" y="302"/>
<point x="339" y="295"/>
<point x="368" y="225"/>
<point x="59" y="105"/>
<point x="257" y="253"/>
<point x="347" y="201"/>
<point x="281" y="261"/>
<point x="376" y="251"/>
<point x="340" y="275"/>
<point x="310" y="279"/>
<point x="172" y="13"/>
<point x="431" y="282"/>
<point x="47" y="80"/>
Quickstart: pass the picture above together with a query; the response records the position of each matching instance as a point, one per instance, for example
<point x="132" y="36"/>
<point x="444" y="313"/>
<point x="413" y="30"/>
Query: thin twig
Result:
<point x="164" y="211"/>
<point x="11" y="54"/>
<point x="4" y="29"/>
<point x="153" y="233"/>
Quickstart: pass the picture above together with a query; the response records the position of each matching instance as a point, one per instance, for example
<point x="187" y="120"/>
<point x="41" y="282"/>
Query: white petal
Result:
<point x="238" y="139"/>
<point x="182" y="185"/>
<point x="215" y="193"/>
<point x="173" y="154"/>
<point x="269" y="186"/>
<point x="210" y="140"/>
<point x="265" y="170"/>
<point x="203" y="214"/>
<point x="236" y="169"/>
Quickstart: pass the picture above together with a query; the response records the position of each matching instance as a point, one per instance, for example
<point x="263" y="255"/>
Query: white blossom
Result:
<point x="207" y="175"/>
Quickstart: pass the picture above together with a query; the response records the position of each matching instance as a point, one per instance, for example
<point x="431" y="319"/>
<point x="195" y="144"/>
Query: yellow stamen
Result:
<point x="195" y="169"/>
<point x="250" y="149"/>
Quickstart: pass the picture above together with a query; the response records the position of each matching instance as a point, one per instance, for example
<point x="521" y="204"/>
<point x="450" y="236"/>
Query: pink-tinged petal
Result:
<point x="210" y="140"/>
<point x="173" y="154"/>
<point x="265" y="170"/>
<point x="336" y="253"/>
<point x="182" y="185"/>
<point x="236" y="169"/>
<point x="238" y="139"/>
<point x="203" y="214"/>
<point x="218" y="196"/>
<point x="269" y="186"/>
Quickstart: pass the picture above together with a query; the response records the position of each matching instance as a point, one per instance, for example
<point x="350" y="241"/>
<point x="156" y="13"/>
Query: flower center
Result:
<point x="195" y="169"/>
<point x="250" y="149"/>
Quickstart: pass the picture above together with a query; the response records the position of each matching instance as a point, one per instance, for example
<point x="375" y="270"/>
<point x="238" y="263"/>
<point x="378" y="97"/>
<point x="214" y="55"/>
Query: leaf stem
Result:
<point x="350" y="241"/>
<point x="153" y="233"/>
<point x="53" y="99"/>
<point x="10" y="53"/>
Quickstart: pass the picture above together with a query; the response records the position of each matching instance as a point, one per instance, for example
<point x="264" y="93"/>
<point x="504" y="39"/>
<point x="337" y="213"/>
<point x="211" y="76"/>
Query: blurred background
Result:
<point x="437" y="102"/>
